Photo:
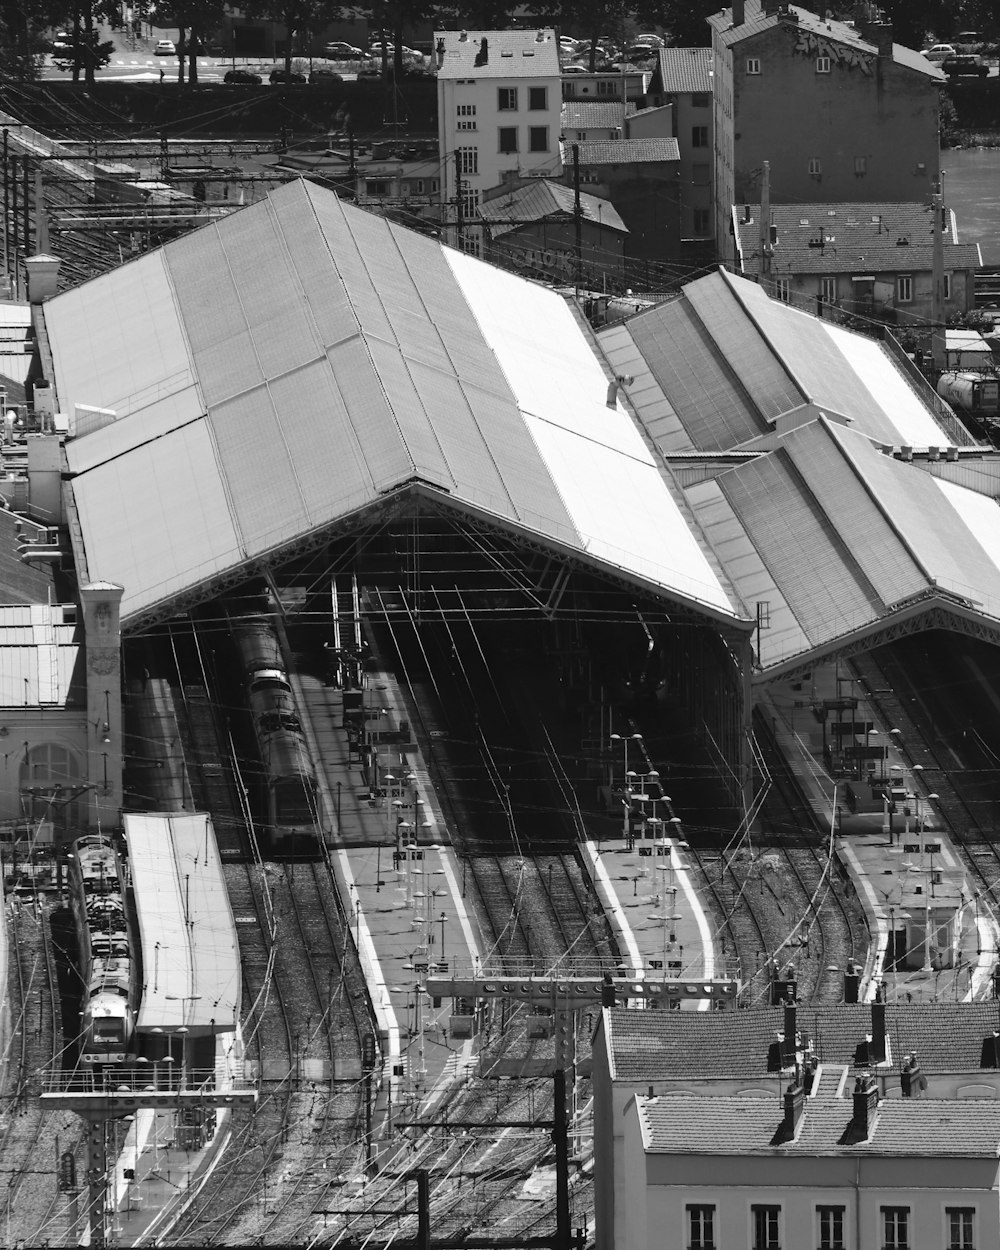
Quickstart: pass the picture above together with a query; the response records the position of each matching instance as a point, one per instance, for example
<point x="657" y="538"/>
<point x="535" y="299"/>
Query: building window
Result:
<point x="753" y="65"/>
<point x="468" y="159"/>
<point x="961" y="1228"/>
<point x="538" y="138"/>
<point x="376" y="187"/>
<point x="765" y="1221"/>
<point x="831" y="1227"/>
<point x="701" y="222"/>
<point x="828" y="290"/>
<point x="507" y="139"/>
<point x="895" y="1228"/>
<point x="700" y="100"/>
<point x="606" y="87"/>
<point x="701" y="1228"/>
<point x="783" y="290"/>
<point x="699" y="136"/>
<point x="581" y="134"/>
<point x="466" y="110"/>
<point x="947" y="286"/>
<point x="904" y="288"/>
<point x="822" y="65"/>
<point x="507" y="99"/>
<point x="470" y="204"/>
<point x="538" y="98"/>
<point x="417" y="187"/>
<point x="464" y="123"/>
<point x="860" y="166"/>
<point x="815" y="167"/>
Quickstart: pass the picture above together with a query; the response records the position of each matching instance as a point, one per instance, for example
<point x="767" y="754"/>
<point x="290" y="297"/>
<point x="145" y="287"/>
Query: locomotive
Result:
<point x="977" y="393"/>
<point x="109" y="960"/>
<point x="289" y="779"/>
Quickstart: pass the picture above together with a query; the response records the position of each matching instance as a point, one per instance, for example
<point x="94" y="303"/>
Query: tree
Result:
<point x="298" y="17"/>
<point x="392" y="18"/>
<point x="687" y="21"/>
<point x="195" y="20"/>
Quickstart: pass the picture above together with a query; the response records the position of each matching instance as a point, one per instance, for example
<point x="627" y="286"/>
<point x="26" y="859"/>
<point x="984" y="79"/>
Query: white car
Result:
<point x="938" y="52"/>
<point x="165" y="47"/>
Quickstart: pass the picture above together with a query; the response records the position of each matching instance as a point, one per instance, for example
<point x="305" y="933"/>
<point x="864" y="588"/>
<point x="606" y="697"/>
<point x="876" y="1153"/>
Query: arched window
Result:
<point x="47" y="773"/>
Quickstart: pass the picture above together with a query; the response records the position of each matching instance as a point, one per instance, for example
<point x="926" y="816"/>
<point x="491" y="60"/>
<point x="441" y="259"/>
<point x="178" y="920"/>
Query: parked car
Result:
<point x="286" y="75"/>
<point x="654" y="41"/>
<point x="242" y="78"/>
<point x="965" y="64"/>
<point x="939" y="51"/>
<point x="369" y="71"/>
<point x="641" y="52"/>
<point x="165" y="47"/>
<point x="325" y="77"/>
<point x="341" y="51"/>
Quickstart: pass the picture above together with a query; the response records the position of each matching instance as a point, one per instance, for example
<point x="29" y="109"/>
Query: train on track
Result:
<point x="972" y="392"/>
<point x="288" y="775"/>
<point x="108" y="951"/>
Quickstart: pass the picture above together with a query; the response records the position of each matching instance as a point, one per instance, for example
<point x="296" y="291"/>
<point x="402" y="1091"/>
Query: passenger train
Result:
<point x="289" y="779"/>
<point x="109" y="955"/>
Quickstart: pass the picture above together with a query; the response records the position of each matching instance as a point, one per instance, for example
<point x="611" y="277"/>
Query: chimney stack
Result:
<point x="795" y="1101"/>
<point x="865" y="1106"/>
<point x="789" y="1047"/>
<point x="880" y="34"/>
<point x="739" y="12"/>
<point x="877" y="1048"/>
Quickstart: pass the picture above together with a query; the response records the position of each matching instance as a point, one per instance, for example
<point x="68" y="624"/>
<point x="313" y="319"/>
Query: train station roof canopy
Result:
<point x="301" y="364"/>
<point x="190" y="955"/>
<point x="843" y="501"/>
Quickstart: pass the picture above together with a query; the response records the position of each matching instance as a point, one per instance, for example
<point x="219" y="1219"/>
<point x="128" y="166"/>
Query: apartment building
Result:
<point x="499" y="104"/>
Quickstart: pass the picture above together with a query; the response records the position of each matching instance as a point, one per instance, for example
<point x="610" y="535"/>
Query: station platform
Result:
<point x="410" y="905"/>
<point x="933" y="937"/>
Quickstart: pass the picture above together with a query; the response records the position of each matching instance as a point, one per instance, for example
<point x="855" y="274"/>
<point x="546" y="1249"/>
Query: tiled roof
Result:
<point x="543" y="198"/>
<point x="708" y="1124"/>
<point x="628" y="151"/>
<point x="509" y="53"/>
<point x="654" y="1045"/>
<point x="686" y="70"/>
<point x="833" y="32"/>
<point x="857" y="238"/>
<point x="593" y="114"/>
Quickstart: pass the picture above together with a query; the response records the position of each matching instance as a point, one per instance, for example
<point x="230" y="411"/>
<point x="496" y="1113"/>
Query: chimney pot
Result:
<point x="795" y="1101"/>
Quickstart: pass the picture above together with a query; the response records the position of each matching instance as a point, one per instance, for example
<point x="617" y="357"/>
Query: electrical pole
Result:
<point x="938" y="341"/>
<point x="458" y="197"/>
<point x="577" y="219"/>
<point x="765" y="225"/>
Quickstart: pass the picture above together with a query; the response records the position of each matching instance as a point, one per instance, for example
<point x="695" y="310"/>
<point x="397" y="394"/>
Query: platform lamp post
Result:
<point x="625" y="739"/>
<point x="928" y="889"/>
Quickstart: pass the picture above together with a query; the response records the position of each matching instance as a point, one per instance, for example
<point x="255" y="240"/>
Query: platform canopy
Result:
<point x="190" y="955"/>
<point x="843" y="504"/>
<point x="283" y="372"/>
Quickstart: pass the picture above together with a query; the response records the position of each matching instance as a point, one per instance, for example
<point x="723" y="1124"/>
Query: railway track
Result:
<point x="27" y="1134"/>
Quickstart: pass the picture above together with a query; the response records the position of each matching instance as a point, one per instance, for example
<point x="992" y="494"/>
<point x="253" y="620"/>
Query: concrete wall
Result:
<point x="866" y="108"/>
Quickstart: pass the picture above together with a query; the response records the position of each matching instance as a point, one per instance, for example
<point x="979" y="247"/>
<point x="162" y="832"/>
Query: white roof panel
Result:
<point x="982" y="517"/>
<point x="170" y="413"/>
<point x="121" y="344"/>
<point x="626" y="515"/>
<point x="190" y="955"/>
<point x="891" y="391"/>
<point x="179" y="529"/>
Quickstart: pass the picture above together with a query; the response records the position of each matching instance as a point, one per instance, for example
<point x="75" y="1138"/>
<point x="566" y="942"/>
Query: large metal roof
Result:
<point x="282" y="370"/>
<point x="836" y="530"/>
<point x="190" y="955"/>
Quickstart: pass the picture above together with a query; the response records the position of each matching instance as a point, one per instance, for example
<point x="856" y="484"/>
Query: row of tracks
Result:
<point x="32" y="1209"/>
<point x="305" y="1006"/>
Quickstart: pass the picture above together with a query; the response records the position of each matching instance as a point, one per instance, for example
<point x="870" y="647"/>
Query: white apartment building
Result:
<point x="499" y="103"/>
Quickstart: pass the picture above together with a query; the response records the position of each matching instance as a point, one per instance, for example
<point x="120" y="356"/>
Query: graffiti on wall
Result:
<point x="809" y="43"/>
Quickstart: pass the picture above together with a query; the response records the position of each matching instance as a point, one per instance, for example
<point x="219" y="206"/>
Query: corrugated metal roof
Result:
<point x="506" y="54"/>
<point x="627" y="151"/>
<point x="684" y="70"/>
<point x="542" y="198"/>
<point x="190" y="956"/>
<point x="16" y="347"/>
<point x="336" y="357"/>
